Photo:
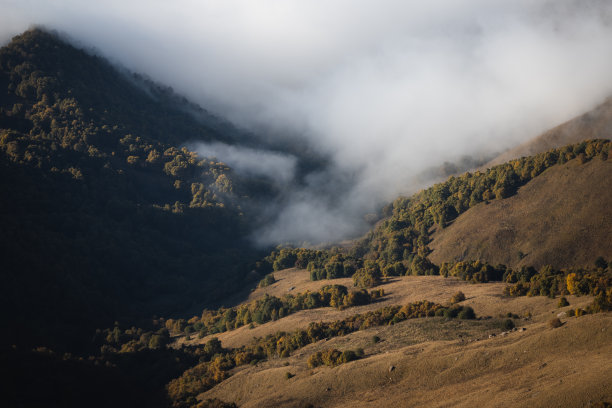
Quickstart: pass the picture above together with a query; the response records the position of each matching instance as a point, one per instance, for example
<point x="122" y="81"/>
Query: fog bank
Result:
<point x="385" y="89"/>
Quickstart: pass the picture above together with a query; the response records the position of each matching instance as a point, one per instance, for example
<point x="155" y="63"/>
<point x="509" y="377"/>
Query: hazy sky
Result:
<point x="386" y="88"/>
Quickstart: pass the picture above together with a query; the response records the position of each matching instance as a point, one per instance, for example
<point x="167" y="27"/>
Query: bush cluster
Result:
<point x="550" y="282"/>
<point x="270" y="308"/>
<point x="333" y="357"/>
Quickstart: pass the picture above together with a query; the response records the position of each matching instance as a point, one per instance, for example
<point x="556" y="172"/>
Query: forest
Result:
<point x="124" y="221"/>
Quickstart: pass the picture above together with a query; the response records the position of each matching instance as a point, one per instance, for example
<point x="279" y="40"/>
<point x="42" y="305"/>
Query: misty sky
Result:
<point x="385" y="88"/>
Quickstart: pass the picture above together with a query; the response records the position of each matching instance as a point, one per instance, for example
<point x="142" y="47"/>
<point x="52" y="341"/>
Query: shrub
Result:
<point x="375" y="339"/>
<point x="458" y="297"/>
<point x="452" y="312"/>
<point x="268" y="280"/>
<point x="554" y="323"/>
<point x="467" y="313"/>
<point x="288" y="375"/>
<point x="600" y="262"/>
<point x="333" y="357"/>
<point x="563" y="302"/>
<point x="508" y="324"/>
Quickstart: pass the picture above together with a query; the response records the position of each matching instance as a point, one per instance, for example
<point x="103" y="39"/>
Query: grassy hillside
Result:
<point x="561" y="218"/>
<point x="439" y="364"/>
<point x="401" y="242"/>
<point x="104" y="215"/>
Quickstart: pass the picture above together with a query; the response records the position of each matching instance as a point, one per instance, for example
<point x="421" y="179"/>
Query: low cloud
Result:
<point x="383" y="89"/>
<point x="278" y="167"/>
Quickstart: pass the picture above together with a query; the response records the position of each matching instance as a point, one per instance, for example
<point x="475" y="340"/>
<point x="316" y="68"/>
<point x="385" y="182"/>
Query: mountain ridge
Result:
<point x="594" y="124"/>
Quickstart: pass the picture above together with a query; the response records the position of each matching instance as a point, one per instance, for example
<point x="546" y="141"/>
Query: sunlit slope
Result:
<point x="431" y="361"/>
<point x="562" y="217"/>
<point x="595" y="124"/>
<point x="540" y="367"/>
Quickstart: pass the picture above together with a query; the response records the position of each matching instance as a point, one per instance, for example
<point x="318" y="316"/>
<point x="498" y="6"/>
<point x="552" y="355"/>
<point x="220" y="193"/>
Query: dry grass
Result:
<point x="439" y="363"/>
<point x="486" y="299"/>
<point x="562" y="217"/>
<point x="436" y="362"/>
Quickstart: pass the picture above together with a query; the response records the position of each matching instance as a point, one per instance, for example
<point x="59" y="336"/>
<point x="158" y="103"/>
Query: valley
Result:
<point x="134" y="274"/>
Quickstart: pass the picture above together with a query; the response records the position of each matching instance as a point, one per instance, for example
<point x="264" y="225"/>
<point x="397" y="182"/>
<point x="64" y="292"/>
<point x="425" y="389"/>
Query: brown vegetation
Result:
<point x="561" y="218"/>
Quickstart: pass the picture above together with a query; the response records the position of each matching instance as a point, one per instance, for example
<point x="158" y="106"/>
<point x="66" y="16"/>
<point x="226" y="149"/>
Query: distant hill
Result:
<point x="561" y="218"/>
<point x="104" y="215"/>
<point x="595" y="124"/>
<point x="403" y="241"/>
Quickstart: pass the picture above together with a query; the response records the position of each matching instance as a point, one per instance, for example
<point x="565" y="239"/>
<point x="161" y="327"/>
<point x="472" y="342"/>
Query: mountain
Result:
<point x="539" y="208"/>
<point x="105" y="215"/>
<point x="594" y="124"/>
<point x="118" y="245"/>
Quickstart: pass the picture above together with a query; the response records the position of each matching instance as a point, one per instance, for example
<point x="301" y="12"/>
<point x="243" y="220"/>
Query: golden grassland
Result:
<point x="432" y="361"/>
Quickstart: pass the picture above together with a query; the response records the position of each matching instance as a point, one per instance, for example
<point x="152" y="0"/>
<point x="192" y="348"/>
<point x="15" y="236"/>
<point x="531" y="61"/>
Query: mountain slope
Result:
<point x="595" y="124"/>
<point x="562" y="218"/>
<point x="105" y="216"/>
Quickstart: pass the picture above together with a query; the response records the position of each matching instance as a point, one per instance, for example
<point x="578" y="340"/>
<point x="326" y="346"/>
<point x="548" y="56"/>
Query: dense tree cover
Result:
<point x="270" y="308"/>
<point x="322" y="264"/>
<point x="334" y="263"/>
<point x="368" y="276"/>
<point x="104" y="215"/>
<point x="474" y="271"/>
<point x="550" y="282"/>
<point x="131" y="340"/>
